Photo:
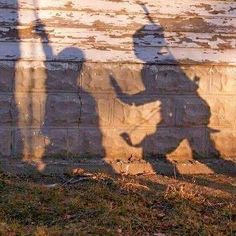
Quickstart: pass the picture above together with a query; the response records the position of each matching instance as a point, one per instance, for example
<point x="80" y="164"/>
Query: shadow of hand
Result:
<point x="39" y="28"/>
<point x="126" y="137"/>
<point x="114" y="84"/>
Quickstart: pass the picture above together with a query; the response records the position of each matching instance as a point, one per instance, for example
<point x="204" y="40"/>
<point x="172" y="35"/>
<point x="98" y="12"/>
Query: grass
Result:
<point x="100" y="204"/>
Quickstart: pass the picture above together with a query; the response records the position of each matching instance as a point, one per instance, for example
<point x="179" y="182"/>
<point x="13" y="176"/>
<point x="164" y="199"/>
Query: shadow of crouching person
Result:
<point x="167" y="86"/>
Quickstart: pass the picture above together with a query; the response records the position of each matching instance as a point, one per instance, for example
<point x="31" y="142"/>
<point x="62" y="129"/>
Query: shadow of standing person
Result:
<point x="71" y="121"/>
<point x="188" y="116"/>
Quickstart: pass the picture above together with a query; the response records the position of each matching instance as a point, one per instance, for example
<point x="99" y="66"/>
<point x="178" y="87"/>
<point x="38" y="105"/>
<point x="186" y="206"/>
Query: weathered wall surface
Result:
<point x="104" y="79"/>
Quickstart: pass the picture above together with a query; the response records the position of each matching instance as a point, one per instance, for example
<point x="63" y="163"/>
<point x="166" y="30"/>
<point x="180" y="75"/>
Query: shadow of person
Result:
<point x="184" y="114"/>
<point x="74" y="108"/>
<point x="70" y="121"/>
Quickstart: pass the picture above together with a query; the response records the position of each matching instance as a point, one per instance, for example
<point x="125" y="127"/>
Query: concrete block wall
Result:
<point x="86" y="116"/>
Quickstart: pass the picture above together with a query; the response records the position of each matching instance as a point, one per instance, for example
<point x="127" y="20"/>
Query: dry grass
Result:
<point x="103" y="205"/>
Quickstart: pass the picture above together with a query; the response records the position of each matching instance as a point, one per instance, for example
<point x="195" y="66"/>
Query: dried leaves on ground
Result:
<point x="99" y="204"/>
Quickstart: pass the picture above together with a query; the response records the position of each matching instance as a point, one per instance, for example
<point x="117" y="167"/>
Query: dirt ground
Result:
<point x="99" y="204"/>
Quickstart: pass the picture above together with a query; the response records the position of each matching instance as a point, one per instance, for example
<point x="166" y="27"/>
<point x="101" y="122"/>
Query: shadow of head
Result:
<point x="71" y="54"/>
<point x="148" y="40"/>
<point x="75" y="56"/>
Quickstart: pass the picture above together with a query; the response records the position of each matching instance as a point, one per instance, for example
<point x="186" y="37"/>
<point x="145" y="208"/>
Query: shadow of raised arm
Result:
<point x="136" y="99"/>
<point x="115" y="85"/>
<point x="125" y="98"/>
<point x="127" y="139"/>
<point x="39" y="28"/>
